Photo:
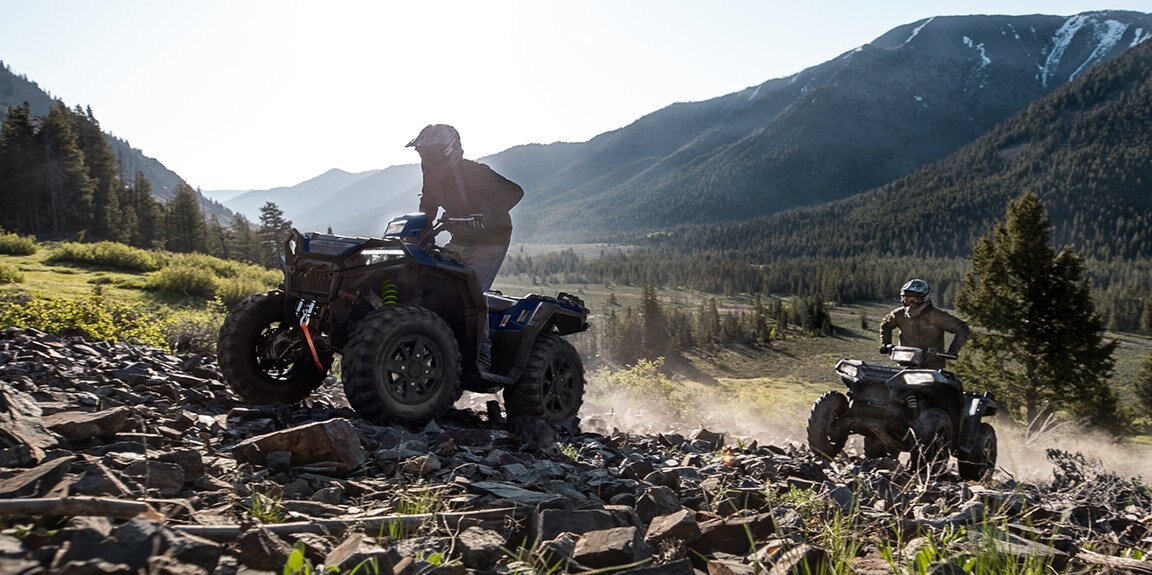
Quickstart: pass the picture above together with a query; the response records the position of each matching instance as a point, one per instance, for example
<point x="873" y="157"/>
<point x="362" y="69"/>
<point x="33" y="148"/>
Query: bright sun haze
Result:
<point x="265" y="93"/>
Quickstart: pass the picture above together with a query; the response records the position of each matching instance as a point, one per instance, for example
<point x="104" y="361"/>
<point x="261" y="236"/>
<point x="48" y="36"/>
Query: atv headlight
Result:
<point x="379" y="256"/>
<point x="919" y="378"/>
<point x="848" y="370"/>
<point x="395" y="228"/>
<point x="292" y="246"/>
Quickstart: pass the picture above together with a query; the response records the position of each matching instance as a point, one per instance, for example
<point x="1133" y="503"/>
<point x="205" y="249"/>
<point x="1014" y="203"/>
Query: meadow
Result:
<point x="750" y="392"/>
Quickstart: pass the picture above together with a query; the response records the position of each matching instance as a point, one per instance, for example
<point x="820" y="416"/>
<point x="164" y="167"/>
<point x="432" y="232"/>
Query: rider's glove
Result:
<point x="886" y="349"/>
<point x="477" y="221"/>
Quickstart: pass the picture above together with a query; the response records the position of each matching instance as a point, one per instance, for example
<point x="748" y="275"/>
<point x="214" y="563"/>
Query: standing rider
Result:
<point x="922" y="325"/>
<point x="467" y="189"/>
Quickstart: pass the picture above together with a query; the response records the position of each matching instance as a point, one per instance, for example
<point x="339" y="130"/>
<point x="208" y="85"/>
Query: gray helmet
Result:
<point x="441" y="137"/>
<point x="917" y="287"/>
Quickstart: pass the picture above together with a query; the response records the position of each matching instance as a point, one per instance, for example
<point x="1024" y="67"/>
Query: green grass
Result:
<point x="105" y="290"/>
<point x="779" y="381"/>
<point x="771" y="388"/>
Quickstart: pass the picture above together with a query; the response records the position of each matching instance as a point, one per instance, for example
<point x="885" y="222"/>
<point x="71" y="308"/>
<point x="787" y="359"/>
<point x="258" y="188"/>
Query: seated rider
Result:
<point x="922" y="325"/>
<point x="467" y="189"/>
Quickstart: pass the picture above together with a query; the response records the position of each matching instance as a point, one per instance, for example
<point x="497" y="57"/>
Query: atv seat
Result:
<point x="498" y="302"/>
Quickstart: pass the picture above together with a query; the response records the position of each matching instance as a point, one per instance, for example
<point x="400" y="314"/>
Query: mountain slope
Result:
<point x="866" y="118"/>
<point x="877" y="113"/>
<point x="368" y="204"/>
<point x="1086" y="150"/>
<point x="15" y="90"/>
<point x="294" y="200"/>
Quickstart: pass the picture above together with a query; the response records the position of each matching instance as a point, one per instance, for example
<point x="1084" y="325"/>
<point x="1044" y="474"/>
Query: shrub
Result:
<point x="252" y="279"/>
<point x="10" y="274"/>
<point x="219" y="267"/>
<point x="198" y="275"/>
<point x="644" y="383"/>
<point x="14" y="245"/>
<point x="195" y="331"/>
<point x="95" y="316"/>
<point x="184" y="278"/>
<point x="106" y="255"/>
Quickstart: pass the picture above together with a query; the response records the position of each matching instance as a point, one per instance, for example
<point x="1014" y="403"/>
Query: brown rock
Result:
<point x="334" y="441"/>
<point x="82" y="425"/>
<point x="611" y="548"/>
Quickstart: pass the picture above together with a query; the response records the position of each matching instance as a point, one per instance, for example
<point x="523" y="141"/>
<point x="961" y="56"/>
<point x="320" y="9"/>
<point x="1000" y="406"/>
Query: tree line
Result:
<point x="1038" y="340"/>
<point x="60" y="180"/>
<point x="1121" y="290"/>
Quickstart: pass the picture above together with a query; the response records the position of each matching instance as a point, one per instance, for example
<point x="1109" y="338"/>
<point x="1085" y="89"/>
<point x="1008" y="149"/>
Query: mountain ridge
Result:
<point x="872" y="115"/>
<point x="15" y="89"/>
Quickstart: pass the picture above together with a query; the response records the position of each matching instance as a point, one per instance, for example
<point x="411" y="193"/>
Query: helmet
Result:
<point x="436" y="135"/>
<point x="440" y="137"/>
<point x="916" y="287"/>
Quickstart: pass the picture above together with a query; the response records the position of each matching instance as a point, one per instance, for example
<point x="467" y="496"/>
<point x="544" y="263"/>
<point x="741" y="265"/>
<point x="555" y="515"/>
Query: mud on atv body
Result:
<point x="902" y="408"/>
<point x="406" y="317"/>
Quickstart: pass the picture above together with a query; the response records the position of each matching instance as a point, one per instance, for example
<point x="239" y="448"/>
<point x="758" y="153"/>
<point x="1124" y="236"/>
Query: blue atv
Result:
<point x="406" y="317"/>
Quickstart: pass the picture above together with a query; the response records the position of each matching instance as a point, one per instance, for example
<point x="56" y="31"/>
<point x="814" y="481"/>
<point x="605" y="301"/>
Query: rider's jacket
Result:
<point x="923" y="326"/>
<point x="472" y="188"/>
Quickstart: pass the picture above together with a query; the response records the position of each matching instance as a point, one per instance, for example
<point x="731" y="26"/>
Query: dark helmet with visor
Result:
<point x="916" y="287"/>
<point x="438" y="142"/>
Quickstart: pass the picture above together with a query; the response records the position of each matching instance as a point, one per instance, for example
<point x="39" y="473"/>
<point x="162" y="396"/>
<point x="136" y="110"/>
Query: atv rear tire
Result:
<point x="253" y="336"/>
<point x="933" y="442"/>
<point x="401" y="365"/>
<point x="552" y="385"/>
<point x="981" y="462"/>
<point x="823" y="437"/>
<point x="874" y="448"/>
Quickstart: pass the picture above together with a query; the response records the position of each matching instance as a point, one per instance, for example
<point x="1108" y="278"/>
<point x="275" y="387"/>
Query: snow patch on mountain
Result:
<point x="984" y="59"/>
<point x="1107" y="36"/>
<point x="1139" y="37"/>
<point x="917" y="29"/>
<point x="1060" y="44"/>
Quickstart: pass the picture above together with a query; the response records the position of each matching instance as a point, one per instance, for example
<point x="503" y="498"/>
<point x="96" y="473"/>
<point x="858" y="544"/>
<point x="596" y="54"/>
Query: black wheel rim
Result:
<point x="275" y="355"/>
<point x="412" y="369"/>
<point x="559" y="387"/>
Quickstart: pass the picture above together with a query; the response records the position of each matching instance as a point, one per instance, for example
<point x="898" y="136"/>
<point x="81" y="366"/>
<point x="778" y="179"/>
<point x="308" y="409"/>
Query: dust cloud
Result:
<point x="1020" y="457"/>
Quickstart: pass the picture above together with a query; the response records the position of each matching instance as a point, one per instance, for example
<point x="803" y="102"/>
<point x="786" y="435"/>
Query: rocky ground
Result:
<point x="124" y="459"/>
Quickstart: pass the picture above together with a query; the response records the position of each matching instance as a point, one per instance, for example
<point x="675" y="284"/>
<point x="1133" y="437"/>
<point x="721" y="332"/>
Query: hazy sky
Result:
<point x="252" y="94"/>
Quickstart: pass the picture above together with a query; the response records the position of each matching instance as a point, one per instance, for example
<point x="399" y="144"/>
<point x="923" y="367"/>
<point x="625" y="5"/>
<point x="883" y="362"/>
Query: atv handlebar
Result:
<point x="474" y="221"/>
<point x="913" y="356"/>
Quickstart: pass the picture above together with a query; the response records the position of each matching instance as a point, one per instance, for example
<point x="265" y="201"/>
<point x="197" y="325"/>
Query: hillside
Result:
<point x="1086" y="150"/>
<point x="16" y="89"/>
<point x="862" y="120"/>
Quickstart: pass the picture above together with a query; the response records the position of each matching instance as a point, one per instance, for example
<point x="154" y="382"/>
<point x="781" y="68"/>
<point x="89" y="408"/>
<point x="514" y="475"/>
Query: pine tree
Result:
<point x="1039" y="343"/>
<point x="67" y="200"/>
<point x="187" y="230"/>
<point x="20" y="190"/>
<point x="104" y="170"/>
<point x="655" y="328"/>
<point x="1143" y="385"/>
<point x="219" y="239"/>
<point x="273" y="230"/>
<point x="150" y="230"/>
<point x="245" y="245"/>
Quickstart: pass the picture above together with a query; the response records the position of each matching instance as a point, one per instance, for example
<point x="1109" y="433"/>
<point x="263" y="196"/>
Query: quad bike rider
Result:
<point x="916" y="405"/>
<point x="408" y="319"/>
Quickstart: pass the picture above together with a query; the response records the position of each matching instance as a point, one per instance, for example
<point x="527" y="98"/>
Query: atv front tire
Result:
<point x="552" y="385"/>
<point x="263" y="355"/>
<point x="825" y="438"/>
<point x="933" y="442"/>
<point x="981" y="462"/>
<point x="401" y="365"/>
